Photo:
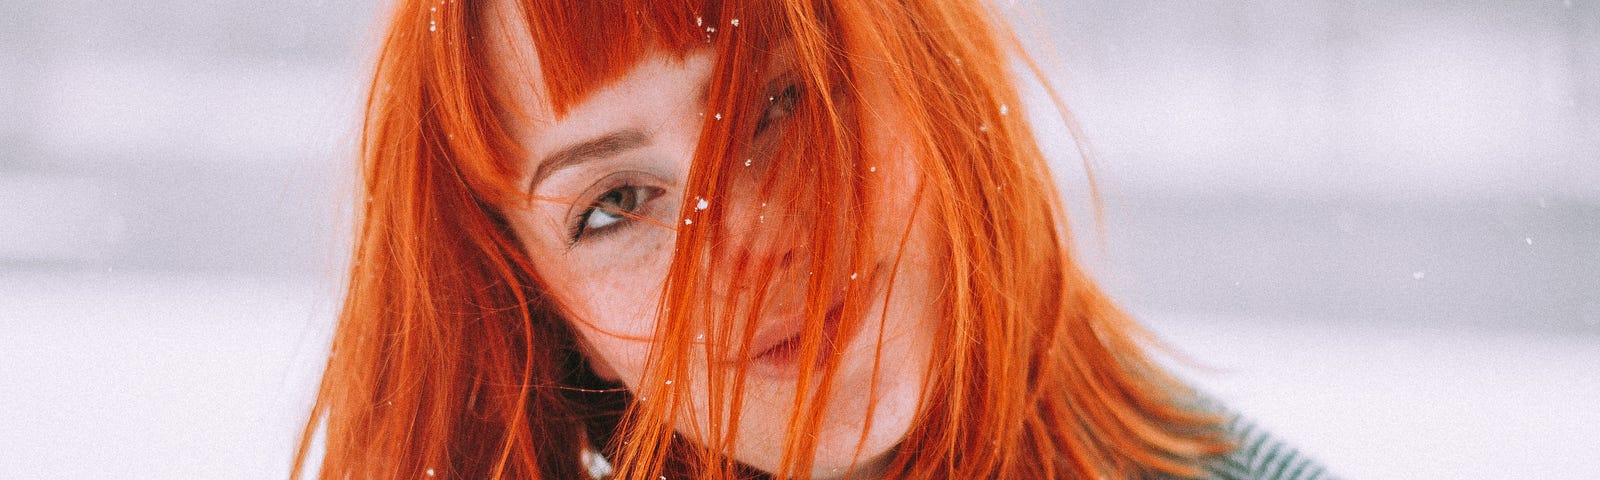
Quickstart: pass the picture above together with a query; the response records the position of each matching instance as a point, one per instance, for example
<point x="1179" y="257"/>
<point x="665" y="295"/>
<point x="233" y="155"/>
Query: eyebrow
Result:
<point x="607" y="145"/>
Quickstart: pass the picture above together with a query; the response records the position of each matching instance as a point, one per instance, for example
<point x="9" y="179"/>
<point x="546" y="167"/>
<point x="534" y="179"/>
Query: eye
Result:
<point x="780" y="105"/>
<point x="613" y="210"/>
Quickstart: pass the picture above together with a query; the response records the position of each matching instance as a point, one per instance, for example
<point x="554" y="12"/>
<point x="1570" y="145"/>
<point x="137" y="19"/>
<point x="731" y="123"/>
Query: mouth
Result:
<point x="780" y="358"/>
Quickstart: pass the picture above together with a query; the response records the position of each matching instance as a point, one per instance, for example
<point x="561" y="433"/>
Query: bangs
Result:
<point x="583" y="46"/>
<point x="586" y="45"/>
<point x="561" y="53"/>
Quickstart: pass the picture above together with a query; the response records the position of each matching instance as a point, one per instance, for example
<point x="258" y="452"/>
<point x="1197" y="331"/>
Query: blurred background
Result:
<point x="1372" y="226"/>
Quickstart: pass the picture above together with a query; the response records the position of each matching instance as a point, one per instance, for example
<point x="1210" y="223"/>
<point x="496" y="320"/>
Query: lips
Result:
<point x="777" y="348"/>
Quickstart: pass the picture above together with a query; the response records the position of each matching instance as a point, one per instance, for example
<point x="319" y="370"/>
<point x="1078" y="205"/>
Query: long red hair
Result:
<point x="450" y="360"/>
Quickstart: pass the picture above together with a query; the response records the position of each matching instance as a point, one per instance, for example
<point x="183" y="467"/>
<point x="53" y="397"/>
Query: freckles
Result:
<point x="554" y="223"/>
<point x="624" y="290"/>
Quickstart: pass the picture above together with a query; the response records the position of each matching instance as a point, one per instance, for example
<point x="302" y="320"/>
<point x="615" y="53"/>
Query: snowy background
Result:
<point x="1372" y="226"/>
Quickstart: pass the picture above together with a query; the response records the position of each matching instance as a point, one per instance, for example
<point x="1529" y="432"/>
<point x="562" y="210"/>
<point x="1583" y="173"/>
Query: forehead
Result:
<point x="658" y="95"/>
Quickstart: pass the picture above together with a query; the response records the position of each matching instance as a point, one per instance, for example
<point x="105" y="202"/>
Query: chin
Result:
<point x="841" y="446"/>
<point x="837" y="452"/>
<point x="876" y="453"/>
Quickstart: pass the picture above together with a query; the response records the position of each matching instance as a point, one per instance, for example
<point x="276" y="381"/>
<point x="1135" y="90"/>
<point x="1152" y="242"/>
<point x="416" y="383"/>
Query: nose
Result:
<point x="760" y="244"/>
<point x="768" y="255"/>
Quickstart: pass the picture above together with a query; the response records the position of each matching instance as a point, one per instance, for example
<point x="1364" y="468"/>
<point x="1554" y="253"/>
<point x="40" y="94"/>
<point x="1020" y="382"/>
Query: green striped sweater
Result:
<point x="1259" y="456"/>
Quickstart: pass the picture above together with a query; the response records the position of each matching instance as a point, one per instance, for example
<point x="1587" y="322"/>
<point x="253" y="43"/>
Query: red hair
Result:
<point x="450" y="359"/>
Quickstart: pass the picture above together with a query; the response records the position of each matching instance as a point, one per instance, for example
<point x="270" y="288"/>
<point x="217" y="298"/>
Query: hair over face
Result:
<point x="449" y="357"/>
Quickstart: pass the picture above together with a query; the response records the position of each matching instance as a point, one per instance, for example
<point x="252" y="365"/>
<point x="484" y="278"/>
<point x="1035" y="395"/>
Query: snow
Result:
<point x="191" y="375"/>
<point x="112" y="375"/>
<point x="1385" y="400"/>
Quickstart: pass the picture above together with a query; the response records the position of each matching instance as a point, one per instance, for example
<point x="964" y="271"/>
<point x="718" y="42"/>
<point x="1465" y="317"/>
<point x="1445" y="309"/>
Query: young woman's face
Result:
<point x="627" y="148"/>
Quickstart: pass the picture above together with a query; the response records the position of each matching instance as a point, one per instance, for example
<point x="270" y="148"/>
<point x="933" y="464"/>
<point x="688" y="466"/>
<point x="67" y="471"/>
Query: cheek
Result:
<point x="610" y="290"/>
<point x="614" y="307"/>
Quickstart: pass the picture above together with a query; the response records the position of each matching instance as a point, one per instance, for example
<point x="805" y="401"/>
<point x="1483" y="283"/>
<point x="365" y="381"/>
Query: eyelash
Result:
<point x="635" y="197"/>
<point x="780" y="106"/>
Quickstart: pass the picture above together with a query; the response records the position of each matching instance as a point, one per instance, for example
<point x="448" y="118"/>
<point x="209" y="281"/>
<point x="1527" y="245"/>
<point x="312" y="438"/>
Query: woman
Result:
<point x="786" y="238"/>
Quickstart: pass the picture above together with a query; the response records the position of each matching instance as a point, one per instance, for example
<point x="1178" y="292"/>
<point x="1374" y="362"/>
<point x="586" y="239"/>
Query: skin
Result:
<point x="610" y="278"/>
